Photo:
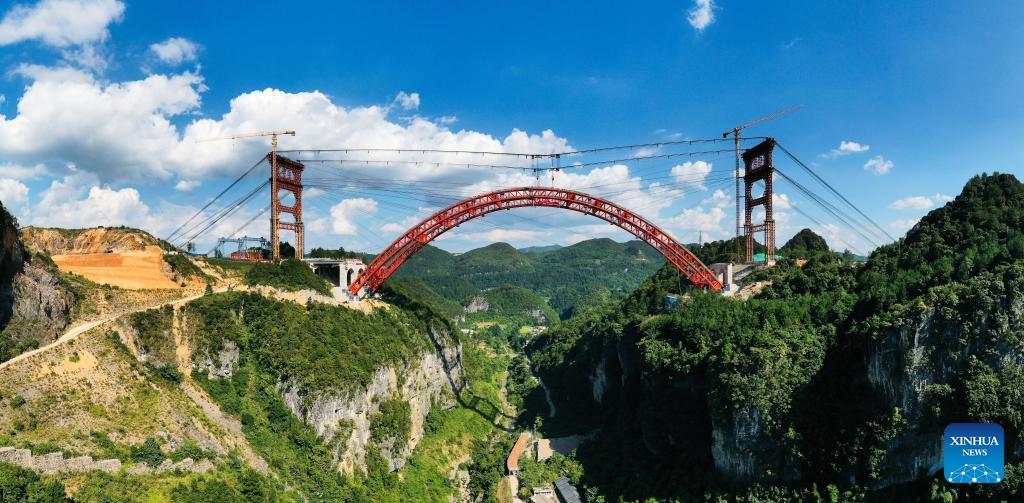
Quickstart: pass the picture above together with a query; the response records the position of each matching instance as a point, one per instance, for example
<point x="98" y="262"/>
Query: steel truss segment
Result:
<point x="406" y="245"/>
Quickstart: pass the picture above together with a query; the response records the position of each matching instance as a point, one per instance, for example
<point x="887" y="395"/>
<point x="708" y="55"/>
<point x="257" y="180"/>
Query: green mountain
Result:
<point x="570" y="279"/>
<point x="804" y="244"/>
<point x="539" y="249"/>
<point x="834" y="383"/>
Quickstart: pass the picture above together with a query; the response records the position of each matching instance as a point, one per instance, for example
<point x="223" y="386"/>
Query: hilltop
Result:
<point x="570" y="279"/>
<point x="837" y="376"/>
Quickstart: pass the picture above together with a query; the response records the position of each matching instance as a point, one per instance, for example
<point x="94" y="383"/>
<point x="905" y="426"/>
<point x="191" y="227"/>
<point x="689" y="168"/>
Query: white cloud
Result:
<point x="120" y="131"/>
<point x="13" y="193"/>
<point x="125" y="131"/>
<point x="516" y="236"/>
<point x="903" y="225"/>
<point x="77" y="201"/>
<point x="60" y="23"/>
<point x="781" y="201"/>
<point x="701" y="15"/>
<point x="698" y="219"/>
<point x="719" y="199"/>
<point x="920" y="202"/>
<point x="692" y="174"/>
<point x="408" y="101"/>
<point x="20" y="172"/>
<point x="847" y="148"/>
<point x="407" y="222"/>
<point x="878" y="165"/>
<point x="187" y="185"/>
<point x="175" y="50"/>
<point x="912" y="203"/>
<point x="345" y="214"/>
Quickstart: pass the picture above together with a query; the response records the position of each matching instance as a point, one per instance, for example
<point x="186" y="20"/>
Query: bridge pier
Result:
<point x="341" y="273"/>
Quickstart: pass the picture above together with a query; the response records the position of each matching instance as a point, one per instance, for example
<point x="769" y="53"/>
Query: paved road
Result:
<point x="75" y="331"/>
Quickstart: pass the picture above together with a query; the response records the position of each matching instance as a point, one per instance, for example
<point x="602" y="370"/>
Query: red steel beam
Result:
<point x="389" y="260"/>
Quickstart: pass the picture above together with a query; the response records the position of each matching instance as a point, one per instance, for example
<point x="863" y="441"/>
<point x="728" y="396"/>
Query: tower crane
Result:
<point x="735" y="132"/>
<point x="275" y="240"/>
<point x="271" y="134"/>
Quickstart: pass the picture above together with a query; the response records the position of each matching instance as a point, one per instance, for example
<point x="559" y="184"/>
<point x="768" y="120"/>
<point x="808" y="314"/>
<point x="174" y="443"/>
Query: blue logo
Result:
<point x="973" y="453"/>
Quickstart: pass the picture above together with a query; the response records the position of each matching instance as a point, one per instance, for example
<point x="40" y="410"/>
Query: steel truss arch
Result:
<point x="392" y="257"/>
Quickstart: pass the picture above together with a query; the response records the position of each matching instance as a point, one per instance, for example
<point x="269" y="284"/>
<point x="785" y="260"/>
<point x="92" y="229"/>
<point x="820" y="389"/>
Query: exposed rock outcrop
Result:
<point x="34" y="306"/>
<point x="343" y="420"/>
<point x="55" y="462"/>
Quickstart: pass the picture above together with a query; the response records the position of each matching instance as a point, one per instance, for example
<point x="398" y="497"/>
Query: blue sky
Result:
<point x="103" y="101"/>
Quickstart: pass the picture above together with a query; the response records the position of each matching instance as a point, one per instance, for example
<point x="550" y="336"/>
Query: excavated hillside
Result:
<point x="80" y="241"/>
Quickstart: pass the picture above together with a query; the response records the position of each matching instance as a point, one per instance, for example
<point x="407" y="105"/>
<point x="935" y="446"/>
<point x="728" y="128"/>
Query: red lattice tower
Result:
<point x="759" y="168"/>
<point x="287" y="177"/>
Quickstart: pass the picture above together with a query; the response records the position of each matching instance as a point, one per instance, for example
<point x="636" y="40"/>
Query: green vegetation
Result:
<point x="572" y="279"/>
<point x="153" y="327"/>
<point x="804" y="244"/>
<point x="184" y="268"/>
<point x="318" y="347"/>
<point x="19" y="484"/>
<point x="513" y="305"/>
<point x="327" y="253"/>
<point x="323" y="348"/>
<point x="392" y="424"/>
<point x="814" y="369"/>
<point x="291" y="275"/>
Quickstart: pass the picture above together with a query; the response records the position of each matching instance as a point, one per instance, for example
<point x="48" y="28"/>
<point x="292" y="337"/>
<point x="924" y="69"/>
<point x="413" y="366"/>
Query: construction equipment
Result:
<point x="275" y="236"/>
<point x="736" y="137"/>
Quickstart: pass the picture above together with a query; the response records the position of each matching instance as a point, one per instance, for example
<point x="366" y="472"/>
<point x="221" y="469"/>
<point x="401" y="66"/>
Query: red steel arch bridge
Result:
<point x="758" y="178"/>
<point x="389" y="260"/>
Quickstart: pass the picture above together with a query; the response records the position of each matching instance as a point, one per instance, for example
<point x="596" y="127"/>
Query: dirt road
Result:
<point x="77" y="330"/>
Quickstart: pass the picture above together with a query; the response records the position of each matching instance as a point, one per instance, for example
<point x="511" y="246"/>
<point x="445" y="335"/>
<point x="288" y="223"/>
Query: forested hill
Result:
<point x="835" y="383"/>
<point x="589" y="272"/>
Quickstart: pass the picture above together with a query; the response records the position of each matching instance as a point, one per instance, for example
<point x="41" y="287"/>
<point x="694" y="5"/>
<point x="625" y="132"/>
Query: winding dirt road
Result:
<point x="77" y="330"/>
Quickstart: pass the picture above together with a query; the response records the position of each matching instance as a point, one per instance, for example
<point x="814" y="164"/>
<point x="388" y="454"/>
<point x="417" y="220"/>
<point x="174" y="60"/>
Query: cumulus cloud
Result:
<point x="77" y="199"/>
<point x="407" y="222"/>
<point x="878" y="165"/>
<point x="920" y="202"/>
<point x="495" y="235"/>
<point x="698" y="219"/>
<point x="60" y="23"/>
<point x="17" y="171"/>
<point x="692" y="174"/>
<point x="408" y="101"/>
<point x="175" y="50"/>
<point x="781" y="201"/>
<point x="701" y="15"/>
<point x="903" y="225"/>
<point x="344" y="215"/>
<point x="13" y="193"/>
<point x="718" y="199"/>
<point x="912" y="203"/>
<point x="847" y="148"/>
<point x="186" y="185"/>
<point x="125" y="131"/>
<point x="120" y="131"/>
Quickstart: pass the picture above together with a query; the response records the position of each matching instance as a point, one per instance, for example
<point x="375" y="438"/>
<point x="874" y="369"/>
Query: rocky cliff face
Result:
<point x="40" y="300"/>
<point x="343" y="420"/>
<point x="927" y="351"/>
<point x="33" y="304"/>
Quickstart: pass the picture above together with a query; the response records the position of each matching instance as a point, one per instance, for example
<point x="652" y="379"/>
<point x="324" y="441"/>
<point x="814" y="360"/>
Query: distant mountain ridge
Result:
<point x="592" y="271"/>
